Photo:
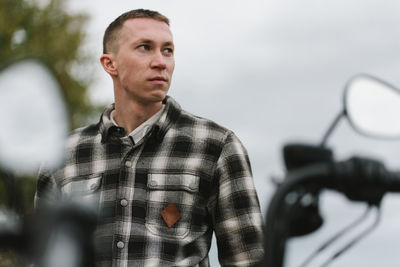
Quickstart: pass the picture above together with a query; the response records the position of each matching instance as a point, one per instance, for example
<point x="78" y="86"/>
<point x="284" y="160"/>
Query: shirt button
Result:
<point x="128" y="164"/>
<point x="120" y="244"/>
<point x="153" y="183"/>
<point x="93" y="186"/>
<point x="124" y="202"/>
<point x="192" y="186"/>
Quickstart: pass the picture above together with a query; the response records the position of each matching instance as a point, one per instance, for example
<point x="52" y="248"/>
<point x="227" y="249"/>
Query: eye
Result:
<point x="144" y="47"/>
<point x="168" y="51"/>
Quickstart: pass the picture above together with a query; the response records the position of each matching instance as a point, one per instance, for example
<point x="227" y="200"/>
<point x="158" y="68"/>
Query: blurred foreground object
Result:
<point x="34" y="125"/>
<point x="372" y="107"/>
<point x="33" y="132"/>
<point x="45" y="29"/>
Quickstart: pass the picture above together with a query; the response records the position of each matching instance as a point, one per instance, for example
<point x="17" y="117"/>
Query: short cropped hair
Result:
<point x="111" y="34"/>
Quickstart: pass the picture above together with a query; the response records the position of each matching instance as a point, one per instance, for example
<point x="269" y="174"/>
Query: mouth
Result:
<point x="158" y="79"/>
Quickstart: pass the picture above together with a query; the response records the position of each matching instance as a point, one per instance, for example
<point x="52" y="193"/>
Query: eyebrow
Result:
<point x="148" y="41"/>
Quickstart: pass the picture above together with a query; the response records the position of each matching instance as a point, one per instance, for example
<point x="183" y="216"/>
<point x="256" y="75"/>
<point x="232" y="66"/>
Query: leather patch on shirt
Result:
<point x="171" y="214"/>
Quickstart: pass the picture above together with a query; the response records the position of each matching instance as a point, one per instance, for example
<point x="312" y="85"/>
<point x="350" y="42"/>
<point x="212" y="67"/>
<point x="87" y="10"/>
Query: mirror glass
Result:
<point x="373" y="107"/>
<point x="34" y="122"/>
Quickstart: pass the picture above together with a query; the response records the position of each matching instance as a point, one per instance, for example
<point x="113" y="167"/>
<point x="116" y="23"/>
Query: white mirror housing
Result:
<point x="34" y="118"/>
<point x="373" y="106"/>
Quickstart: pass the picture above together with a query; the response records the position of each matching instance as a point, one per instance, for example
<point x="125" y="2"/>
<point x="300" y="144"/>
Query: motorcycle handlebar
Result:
<point x="348" y="176"/>
<point x="359" y="179"/>
<point x="364" y="179"/>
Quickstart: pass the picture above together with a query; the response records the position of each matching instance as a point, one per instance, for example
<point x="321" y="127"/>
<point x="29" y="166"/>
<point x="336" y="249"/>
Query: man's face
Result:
<point x="145" y="59"/>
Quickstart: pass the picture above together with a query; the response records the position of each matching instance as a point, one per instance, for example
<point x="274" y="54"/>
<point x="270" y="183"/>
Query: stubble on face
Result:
<point x="145" y="60"/>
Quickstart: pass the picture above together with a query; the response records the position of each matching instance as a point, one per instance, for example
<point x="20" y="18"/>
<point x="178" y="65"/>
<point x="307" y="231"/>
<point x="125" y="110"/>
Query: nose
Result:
<point x="158" y="60"/>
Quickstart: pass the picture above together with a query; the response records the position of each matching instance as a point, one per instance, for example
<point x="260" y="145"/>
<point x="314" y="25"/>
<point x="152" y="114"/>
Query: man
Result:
<point x="164" y="179"/>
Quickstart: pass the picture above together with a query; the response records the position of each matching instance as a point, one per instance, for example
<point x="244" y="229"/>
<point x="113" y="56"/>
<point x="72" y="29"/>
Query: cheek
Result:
<point x="172" y="67"/>
<point x="129" y="68"/>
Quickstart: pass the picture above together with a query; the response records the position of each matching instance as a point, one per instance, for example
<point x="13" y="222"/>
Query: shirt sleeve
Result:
<point x="47" y="191"/>
<point x="238" y="222"/>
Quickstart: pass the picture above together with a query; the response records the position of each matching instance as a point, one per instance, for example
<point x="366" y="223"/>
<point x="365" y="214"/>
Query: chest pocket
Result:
<point x="83" y="188"/>
<point x="181" y="190"/>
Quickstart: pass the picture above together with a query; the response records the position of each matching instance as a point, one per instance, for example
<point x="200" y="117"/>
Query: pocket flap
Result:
<point x="167" y="181"/>
<point x="83" y="186"/>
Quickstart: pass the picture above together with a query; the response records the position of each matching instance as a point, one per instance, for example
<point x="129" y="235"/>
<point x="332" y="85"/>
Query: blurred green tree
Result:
<point x="48" y="31"/>
<point x="44" y="29"/>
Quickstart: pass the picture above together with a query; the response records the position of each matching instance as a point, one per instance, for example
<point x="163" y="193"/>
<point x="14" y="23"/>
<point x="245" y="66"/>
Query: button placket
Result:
<point x="125" y="194"/>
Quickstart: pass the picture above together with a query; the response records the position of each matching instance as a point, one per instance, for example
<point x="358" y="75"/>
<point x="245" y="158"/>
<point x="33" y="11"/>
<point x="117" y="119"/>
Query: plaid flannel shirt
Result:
<point x="196" y="165"/>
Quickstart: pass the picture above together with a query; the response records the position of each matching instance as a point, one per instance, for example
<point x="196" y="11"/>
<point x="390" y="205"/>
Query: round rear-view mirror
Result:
<point x="373" y="106"/>
<point x="34" y="119"/>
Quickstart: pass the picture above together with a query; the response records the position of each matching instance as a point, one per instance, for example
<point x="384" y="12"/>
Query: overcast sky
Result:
<point x="273" y="71"/>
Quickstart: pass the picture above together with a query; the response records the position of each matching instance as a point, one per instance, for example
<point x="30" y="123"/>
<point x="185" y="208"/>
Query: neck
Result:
<point x="131" y="115"/>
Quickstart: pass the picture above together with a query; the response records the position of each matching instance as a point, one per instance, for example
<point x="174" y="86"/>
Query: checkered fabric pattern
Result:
<point x="193" y="163"/>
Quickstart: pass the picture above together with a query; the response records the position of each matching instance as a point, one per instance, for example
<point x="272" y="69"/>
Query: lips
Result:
<point x="158" y="78"/>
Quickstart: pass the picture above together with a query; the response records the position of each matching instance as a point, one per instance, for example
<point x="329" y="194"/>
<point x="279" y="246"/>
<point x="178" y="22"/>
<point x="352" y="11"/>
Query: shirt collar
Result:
<point x="167" y="117"/>
<point x="140" y="131"/>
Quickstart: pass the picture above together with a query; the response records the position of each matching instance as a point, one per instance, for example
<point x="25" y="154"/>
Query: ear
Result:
<point x="107" y="61"/>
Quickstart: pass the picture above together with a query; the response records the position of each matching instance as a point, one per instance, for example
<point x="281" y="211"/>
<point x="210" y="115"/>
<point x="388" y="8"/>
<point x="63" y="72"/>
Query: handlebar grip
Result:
<point x="392" y="181"/>
<point x="364" y="179"/>
<point x="356" y="169"/>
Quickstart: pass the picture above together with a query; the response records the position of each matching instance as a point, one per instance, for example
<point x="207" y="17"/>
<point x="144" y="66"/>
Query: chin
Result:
<point x="159" y="95"/>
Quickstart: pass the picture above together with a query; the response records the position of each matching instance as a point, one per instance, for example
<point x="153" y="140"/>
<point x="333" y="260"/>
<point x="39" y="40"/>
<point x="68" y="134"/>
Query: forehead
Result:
<point x="145" y="28"/>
